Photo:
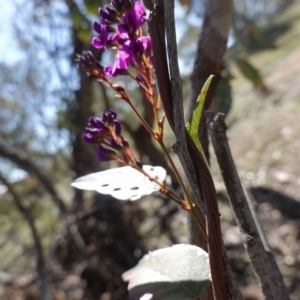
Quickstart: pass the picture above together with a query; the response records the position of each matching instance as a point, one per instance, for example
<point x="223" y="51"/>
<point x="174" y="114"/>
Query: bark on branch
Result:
<point x="195" y="168"/>
<point x="262" y="259"/>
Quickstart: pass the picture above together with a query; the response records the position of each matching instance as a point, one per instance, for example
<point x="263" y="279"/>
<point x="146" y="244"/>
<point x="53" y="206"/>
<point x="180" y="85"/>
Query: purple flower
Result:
<point x="106" y="132"/>
<point x="102" y="41"/>
<point x="135" y="18"/>
<point x="146" y="41"/>
<point x="124" y="58"/>
<point x="119" y="28"/>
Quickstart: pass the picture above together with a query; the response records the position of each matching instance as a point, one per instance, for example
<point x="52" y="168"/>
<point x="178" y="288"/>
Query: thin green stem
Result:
<point x="156" y="116"/>
<point x="183" y="187"/>
<point x="169" y="192"/>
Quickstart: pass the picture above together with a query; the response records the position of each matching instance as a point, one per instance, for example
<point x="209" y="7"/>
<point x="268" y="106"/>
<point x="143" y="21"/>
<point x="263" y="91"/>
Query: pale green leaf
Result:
<point x="193" y="124"/>
<point x="174" y="273"/>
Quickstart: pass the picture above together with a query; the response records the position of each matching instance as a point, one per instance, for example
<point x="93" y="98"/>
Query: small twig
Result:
<point x="262" y="259"/>
<point x="40" y="260"/>
<point x="21" y="159"/>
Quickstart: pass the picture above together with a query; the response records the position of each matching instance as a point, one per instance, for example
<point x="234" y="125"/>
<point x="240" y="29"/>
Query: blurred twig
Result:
<point x="262" y="259"/>
<point x="40" y="261"/>
<point x="21" y="159"/>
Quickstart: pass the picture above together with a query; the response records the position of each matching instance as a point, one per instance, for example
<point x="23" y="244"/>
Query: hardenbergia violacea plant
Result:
<point x="181" y="271"/>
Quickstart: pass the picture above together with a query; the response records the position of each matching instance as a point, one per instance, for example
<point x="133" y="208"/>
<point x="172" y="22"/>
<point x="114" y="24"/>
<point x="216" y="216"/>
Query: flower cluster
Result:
<point x="120" y="28"/>
<point x="106" y="132"/>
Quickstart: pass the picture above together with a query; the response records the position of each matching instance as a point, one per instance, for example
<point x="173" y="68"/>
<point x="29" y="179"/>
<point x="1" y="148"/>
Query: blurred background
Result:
<point x="60" y="243"/>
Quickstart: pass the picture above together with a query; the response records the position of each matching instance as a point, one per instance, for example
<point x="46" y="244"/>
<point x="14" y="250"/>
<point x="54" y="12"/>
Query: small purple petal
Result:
<point x="104" y="154"/>
<point x="112" y="113"/>
<point x="123" y="31"/>
<point x="91" y="135"/>
<point x="109" y="71"/>
<point x="107" y="18"/>
<point x="123" y="59"/>
<point x="97" y="123"/>
<point x="137" y="17"/>
<point x="88" y="138"/>
<point x="118" y="127"/>
<point x="115" y="145"/>
<point x="139" y="10"/>
<point x="101" y="41"/>
<point x="111" y="11"/>
<point x="97" y="43"/>
<point x="108" y="117"/>
<point x="146" y="41"/>
<point x="97" y="27"/>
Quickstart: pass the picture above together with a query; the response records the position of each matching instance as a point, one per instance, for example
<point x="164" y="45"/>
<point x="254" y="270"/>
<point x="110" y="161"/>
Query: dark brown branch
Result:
<point x="40" y="260"/>
<point x="200" y="181"/>
<point x="262" y="259"/>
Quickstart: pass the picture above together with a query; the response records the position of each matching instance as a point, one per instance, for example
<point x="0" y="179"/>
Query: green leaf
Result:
<point x="174" y="273"/>
<point x="193" y="124"/>
<point x="252" y="73"/>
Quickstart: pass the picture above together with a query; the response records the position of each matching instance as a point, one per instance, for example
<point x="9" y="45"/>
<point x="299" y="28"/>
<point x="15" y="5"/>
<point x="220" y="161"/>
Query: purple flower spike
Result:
<point x="106" y="132"/>
<point x="119" y="29"/>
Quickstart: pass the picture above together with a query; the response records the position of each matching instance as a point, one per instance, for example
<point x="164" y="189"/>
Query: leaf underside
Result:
<point x="174" y="273"/>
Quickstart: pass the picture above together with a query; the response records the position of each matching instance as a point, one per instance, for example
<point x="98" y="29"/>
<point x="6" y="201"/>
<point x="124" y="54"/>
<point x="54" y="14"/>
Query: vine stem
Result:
<point x="142" y="120"/>
<point x="183" y="187"/>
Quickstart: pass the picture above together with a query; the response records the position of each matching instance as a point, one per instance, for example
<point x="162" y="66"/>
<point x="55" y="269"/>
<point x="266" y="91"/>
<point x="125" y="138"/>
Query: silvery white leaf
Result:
<point x="123" y="183"/>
